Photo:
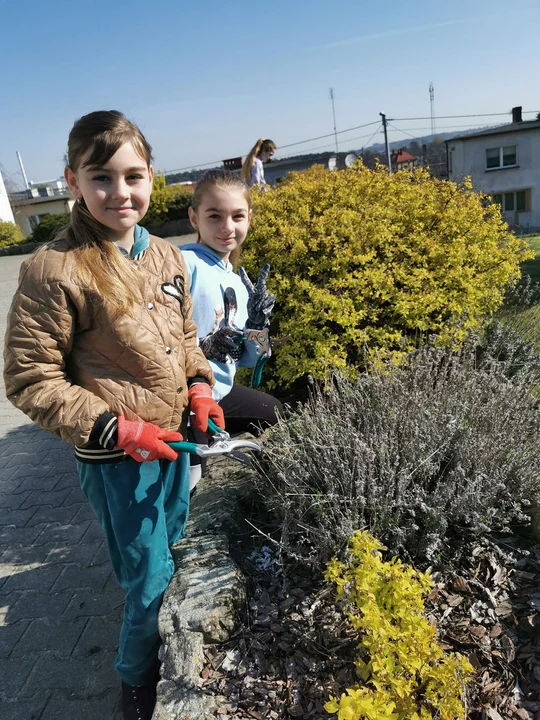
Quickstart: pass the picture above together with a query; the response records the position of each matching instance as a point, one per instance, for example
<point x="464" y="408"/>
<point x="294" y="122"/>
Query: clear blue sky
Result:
<point x="204" y="79"/>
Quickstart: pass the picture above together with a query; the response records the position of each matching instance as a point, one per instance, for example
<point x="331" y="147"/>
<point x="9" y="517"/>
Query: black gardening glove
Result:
<point x="225" y="344"/>
<point x="260" y="302"/>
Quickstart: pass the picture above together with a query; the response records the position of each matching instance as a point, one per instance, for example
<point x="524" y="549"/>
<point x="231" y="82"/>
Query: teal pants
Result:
<point x="143" y="509"/>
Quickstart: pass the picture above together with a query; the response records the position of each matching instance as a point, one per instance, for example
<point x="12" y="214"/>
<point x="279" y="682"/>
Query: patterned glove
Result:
<point x="144" y="441"/>
<point x="260" y="302"/>
<point x="203" y="406"/>
<point x="224" y="345"/>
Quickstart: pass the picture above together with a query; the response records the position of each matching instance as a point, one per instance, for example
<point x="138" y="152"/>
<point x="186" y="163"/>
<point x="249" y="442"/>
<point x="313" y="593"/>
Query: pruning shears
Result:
<point x="221" y="443"/>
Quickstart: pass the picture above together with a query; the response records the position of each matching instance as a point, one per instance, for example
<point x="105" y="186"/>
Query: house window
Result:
<point x="521" y="201"/>
<point x="501" y="157"/>
<point x="515" y="201"/>
<point x="509" y="202"/>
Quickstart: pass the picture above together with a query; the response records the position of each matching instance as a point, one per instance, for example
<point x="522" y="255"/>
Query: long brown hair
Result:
<point x="224" y="179"/>
<point x="94" y="139"/>
<point x="260" y="146"/>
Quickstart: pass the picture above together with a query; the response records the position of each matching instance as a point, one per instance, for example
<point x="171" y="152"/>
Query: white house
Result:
<point x="504" y="162"/>
<point x="6" y="213"/>
<point x="30" y="206"/>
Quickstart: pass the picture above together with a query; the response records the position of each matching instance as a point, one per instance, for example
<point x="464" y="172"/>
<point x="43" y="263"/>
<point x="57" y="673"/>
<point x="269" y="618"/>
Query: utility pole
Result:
<point x="388" y="156"/>
<point x="334" y="114"/>
<point x="432" y="107"/>
<point x="26" y="184"/>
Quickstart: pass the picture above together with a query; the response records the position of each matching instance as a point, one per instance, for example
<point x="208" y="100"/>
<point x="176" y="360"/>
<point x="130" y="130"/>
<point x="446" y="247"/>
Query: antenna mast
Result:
<point x="432" y="105"/>
<point x="334" y="114"/>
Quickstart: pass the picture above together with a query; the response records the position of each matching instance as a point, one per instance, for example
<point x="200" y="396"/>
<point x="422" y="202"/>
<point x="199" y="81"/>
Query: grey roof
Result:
<point x="509" y="128"/>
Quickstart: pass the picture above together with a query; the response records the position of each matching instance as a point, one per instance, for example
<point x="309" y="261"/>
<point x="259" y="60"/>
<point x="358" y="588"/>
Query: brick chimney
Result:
<point x="516" y="114"/>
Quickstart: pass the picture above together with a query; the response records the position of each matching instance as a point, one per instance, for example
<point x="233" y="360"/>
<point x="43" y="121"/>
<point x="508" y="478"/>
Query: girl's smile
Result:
<point x="117" y="193"/>
<point x="222" y="219"/>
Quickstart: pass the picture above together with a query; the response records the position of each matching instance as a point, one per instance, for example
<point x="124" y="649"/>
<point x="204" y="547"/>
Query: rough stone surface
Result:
<point x="205" y="595"/>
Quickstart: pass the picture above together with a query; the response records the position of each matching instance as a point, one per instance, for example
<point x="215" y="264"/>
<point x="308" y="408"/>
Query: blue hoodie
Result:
<point x="209" y="278"/>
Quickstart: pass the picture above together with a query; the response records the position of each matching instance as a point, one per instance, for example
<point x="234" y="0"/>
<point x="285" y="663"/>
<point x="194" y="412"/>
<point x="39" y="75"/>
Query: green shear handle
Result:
<point x="221" y="444"/>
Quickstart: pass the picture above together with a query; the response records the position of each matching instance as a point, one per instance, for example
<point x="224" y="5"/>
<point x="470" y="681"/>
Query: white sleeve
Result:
<point x="257" y="173"/>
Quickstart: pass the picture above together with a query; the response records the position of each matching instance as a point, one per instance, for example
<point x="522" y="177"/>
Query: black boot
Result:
<point x="138" y="701"/>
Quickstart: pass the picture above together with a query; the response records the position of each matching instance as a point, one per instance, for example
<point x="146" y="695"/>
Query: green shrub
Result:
<point x="168" y="202"/>
<point x="10" y="234"/>
<point x="49" y="227"/>
<point x="404" y="672"/>
<point x="361" y="258"/>
<point x="425" y="454"/>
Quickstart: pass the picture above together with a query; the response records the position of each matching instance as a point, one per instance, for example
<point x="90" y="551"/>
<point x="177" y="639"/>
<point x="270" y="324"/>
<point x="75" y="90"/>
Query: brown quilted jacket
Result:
<point x="67" y="362"/>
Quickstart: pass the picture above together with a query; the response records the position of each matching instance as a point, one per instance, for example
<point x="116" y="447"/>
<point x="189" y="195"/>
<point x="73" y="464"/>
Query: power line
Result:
<point x="447" y="117"/>
<point x="321" y="137"/>
<point x="216" y="163"/>
<point x="378" y="130"/>
<point x="450" y="127"/>
<point x="281" y="147"/>
<point x="321" y="147"/>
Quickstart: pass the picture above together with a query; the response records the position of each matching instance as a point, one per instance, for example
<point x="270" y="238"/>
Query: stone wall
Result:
<point x="206" y="594"/>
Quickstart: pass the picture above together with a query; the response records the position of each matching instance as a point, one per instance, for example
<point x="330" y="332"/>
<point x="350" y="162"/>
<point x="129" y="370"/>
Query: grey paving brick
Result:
<point x="102" y="554"/>
<point x="99" y="634"/>
<point x="19" y="517"/>
<point x="84" y="511"/>
<point x="35" y="604"/>
<point x="34" y="477"/>
<point x="75" y="576"/>
<point x="61" y="452"/>
<point x="83" y="677"/>
<point x="75" y="495"/>
<point x="61" y="515"/>
<point x="86" y="603"/>
<point x="67" y="534"/>
<point x="87" y="553"/>
<point x="19" y="555"/>
<point x="11" y="535"/>
<point x="10" y="501"/>
<point x="24" y="710"/>
<point x="7" y="603"/>
<point x="14" y="458"/>
<point x="101" y="708"/>
<point x="67" y="480"/>
<point x="14" y="675"/>
<point x="112" y="585"/>
<point x="94" y="531"/>
<point x="54" y="498"/>
<point x="40" y="578"/>
<point x="54" y="634"/>
<point x="9" y="637"/>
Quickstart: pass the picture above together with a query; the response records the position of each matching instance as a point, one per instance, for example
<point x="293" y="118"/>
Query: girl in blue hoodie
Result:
<point x="226" y="304"/>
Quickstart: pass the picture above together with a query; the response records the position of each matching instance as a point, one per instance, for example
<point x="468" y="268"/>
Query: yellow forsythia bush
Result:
<point x="363" y="259"/>
<point x="10" y="234"/>
<point x="167" y="202"/>
<point x="405" y="673"/>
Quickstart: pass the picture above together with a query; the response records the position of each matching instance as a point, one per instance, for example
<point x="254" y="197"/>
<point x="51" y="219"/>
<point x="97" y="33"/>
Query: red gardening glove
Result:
<point x="144" y="441"/>
<point x="203" y="405"/>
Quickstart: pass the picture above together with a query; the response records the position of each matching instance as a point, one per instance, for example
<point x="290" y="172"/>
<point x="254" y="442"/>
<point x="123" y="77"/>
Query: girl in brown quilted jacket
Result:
<point x="101" y="350"/>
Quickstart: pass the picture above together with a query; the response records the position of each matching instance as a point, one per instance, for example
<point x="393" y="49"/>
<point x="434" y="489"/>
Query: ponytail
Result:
<point x="247" y="167"/>
<point x="260" y="146"/>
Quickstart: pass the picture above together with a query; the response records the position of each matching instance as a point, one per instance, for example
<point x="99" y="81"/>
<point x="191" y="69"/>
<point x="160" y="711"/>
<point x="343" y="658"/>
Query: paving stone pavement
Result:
<point x="60" y="605"/>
